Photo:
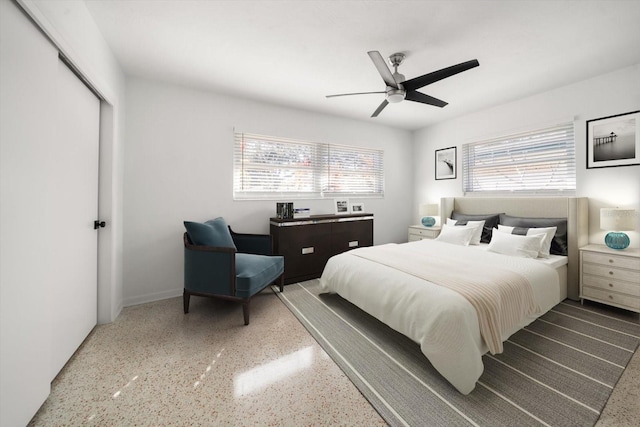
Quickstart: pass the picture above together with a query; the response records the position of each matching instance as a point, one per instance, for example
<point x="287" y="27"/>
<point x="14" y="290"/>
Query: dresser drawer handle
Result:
<point x="610" y="260"/>
<point x="610" y="296"/>
<point x="611" y="285"/>
<point x="611" y="273"/>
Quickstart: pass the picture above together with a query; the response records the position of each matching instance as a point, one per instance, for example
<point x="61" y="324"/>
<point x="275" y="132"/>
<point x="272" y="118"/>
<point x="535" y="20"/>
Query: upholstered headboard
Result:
<point x="575" y="209"/>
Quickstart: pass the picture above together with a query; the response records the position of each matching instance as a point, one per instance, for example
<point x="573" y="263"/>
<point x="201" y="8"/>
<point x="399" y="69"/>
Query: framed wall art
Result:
<point x="446" y="163"/>
<point x="614" y="141"/>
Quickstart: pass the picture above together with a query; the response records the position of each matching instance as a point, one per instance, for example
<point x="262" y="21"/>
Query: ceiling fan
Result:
<point x="399" y="89"/>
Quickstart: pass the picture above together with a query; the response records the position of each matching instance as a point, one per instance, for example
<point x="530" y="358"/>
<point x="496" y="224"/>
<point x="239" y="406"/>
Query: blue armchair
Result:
<point x="220" y="263"/>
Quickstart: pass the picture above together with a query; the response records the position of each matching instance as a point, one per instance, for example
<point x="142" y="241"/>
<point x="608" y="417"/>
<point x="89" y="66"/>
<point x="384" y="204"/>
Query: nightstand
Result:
<point x="419" y="232"/>
<point x="611" y="277"/>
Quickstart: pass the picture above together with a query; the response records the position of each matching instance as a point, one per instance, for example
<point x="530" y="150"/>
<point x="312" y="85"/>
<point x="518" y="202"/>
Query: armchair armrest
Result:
<point x="257" y="244"/>
<point x="209" y="269"/>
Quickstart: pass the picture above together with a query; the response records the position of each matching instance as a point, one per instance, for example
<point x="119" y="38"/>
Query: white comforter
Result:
<point x="442" y="321"/>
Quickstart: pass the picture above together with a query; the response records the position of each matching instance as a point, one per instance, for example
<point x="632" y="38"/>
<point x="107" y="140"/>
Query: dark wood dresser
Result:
<point x="308" y="243"/>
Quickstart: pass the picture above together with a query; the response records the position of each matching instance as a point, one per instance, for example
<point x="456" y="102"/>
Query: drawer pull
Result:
<point x="611" y="273"/>
<point x="307" y="251"/>
<point x="611" y="285"/>
<point x="353" y="244"/>
<point x="610" y="260"/>
<point x="610" y="296"/>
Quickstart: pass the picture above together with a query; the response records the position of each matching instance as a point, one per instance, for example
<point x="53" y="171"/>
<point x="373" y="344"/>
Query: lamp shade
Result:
<point x="429" y="210"/>
<point x="616" y="219"/>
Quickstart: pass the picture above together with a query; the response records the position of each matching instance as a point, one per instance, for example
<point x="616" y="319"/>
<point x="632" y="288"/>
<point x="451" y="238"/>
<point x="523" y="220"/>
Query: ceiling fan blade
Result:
<point x="348" y="94"/>
<point x="384" y="71"/>
<point x="380" y="108"/>
<point x="424" y="99"/>
<point x="418" y="82"/>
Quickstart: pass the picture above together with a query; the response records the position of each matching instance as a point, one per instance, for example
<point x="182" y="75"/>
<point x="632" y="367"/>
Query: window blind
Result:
<point x="268" y="167"/>
<point x="540" y="161"/>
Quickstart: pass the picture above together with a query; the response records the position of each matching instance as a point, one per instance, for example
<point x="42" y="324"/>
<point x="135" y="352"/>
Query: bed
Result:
<point x="396" y="283"/>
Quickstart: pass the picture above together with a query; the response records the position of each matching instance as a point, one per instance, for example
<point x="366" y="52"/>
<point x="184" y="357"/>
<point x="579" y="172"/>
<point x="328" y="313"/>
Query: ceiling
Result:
<point x="293" y="53"/>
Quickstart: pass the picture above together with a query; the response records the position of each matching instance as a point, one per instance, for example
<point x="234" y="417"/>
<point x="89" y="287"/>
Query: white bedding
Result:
<point x="554" y="261"/>
<point x="440" y="320"/>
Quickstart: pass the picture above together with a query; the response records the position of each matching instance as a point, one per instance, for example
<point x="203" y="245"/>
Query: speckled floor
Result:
<point x="156" y="366"/>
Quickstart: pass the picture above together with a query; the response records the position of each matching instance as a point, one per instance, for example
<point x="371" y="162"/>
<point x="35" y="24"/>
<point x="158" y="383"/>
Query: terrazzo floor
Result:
<point x="155" y="366"/>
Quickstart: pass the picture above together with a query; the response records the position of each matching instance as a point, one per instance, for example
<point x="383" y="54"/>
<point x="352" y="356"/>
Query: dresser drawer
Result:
<point x="610" y="272"/>
<point x="604" y="283"/>
<point x="611" y="260"/>
<point x="611" y="297"/>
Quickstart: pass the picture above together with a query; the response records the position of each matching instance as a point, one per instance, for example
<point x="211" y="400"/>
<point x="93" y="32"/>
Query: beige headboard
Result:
<point x="575" y="209"/>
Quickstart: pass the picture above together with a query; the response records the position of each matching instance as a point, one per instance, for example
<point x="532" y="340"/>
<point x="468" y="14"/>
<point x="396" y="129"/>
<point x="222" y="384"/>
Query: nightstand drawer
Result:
<point x="611" y="297"/>
<point x="610" y="272"/>
<point x="611" y="285"/>
<point x="611" y="260"/>
<point x="419" y="233"/>
<point x="610" y="277"/>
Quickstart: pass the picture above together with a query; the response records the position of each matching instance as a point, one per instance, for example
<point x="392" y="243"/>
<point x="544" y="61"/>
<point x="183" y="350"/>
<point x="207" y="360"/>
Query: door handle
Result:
<point x="97" y="224"/>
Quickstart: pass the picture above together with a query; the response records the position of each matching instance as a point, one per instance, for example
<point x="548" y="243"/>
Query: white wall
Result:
<point x="606" y="95"/>
<point x="178" y="166"/>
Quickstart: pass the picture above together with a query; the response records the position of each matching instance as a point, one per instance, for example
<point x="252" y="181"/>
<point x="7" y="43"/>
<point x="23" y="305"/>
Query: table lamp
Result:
<point x="427" y="213"/>
<point x="618" y="220"/>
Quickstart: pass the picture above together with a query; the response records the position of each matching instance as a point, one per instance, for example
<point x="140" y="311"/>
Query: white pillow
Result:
<point x="456" y="235"/>
<point x="515" y="244"/>
<point x="476" y="225"/>
<point x="545" y="246"/>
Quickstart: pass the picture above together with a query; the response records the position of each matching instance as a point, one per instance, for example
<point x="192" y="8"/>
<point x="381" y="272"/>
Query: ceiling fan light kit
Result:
<point x="395" y="95"/>
<point x="399" y="89"/>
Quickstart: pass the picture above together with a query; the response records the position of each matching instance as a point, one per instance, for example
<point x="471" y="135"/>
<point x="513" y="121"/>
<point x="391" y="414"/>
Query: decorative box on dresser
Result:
<point x="610" y="276"/>
<point x="419" y="232"/>
<point x="308" y="243"/>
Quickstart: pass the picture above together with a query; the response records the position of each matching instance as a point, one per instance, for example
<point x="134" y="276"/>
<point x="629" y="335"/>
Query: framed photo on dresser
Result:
<point x="341" y="206"/>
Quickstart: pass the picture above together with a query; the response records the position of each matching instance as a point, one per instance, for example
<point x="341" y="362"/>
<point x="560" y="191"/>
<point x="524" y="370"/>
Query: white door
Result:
<point x="73" y="205"/>
<point x="28" y="63"/>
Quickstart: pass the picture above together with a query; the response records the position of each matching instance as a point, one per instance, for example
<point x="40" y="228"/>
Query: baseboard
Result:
<point x="156" y="296"/>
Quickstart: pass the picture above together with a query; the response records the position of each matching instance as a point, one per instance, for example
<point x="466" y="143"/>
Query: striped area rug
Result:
<point x="558" y="371"/>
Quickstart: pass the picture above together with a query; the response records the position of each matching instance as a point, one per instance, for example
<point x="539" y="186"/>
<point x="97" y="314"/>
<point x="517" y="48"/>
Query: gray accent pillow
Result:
<point x="559" y="244"/>
<point x="490" y="222"/>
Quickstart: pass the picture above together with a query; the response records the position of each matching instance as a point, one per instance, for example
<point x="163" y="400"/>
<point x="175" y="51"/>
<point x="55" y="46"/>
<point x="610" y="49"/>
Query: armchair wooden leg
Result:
<point x="245" y="310"/>
<point x="281" y="283"/>
<point x="185" y="300"/>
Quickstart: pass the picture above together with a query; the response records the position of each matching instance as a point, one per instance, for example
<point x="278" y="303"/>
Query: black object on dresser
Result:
<point x="308" y="243"/>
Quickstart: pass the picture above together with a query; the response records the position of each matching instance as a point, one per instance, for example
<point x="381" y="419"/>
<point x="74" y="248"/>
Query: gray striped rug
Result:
<point x="558" y="371"/>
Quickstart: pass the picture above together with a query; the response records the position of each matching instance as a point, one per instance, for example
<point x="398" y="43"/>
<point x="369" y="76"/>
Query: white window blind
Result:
<point x="274" y="168"/>
<point x="540" y="161"/>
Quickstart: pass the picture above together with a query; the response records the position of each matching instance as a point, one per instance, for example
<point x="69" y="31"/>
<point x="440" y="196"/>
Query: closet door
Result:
<point x="27" y="64"/>
<point x="48" y="202"/>
<point x="73" y="207"/>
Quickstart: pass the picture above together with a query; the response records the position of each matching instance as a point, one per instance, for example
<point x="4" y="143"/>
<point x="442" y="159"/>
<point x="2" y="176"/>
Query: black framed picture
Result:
<point x="446" y="163"/>
<point x="614" y="141"/>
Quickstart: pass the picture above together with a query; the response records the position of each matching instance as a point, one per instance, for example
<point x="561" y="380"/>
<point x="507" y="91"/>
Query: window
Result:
<point x="267" y="167"/>
<point x="541" y="161"/>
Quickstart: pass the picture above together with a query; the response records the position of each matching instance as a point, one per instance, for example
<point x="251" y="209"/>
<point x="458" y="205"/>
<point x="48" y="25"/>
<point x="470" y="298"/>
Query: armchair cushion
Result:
<point x="254" y="272"/>
<point x="214" y="232"/>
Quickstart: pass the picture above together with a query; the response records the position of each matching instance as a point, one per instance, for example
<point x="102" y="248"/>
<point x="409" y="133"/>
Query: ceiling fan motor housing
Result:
<point x="395" y="95"/>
